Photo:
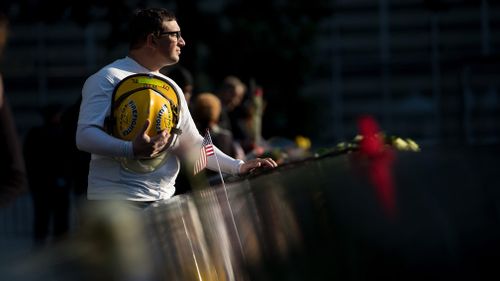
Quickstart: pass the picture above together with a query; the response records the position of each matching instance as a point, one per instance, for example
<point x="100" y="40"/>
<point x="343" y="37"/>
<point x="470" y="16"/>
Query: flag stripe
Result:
<point x="209" y="149"/>
<point x="206" y="150"/>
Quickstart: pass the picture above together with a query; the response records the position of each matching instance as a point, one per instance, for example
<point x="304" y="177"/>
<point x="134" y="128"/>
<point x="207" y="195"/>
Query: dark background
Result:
<point x="427" y="70"/>
<point x="412" y="64"/>
<point x="263" y="41"/>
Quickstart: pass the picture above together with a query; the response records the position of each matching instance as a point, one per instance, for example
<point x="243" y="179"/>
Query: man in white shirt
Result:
<point x="155" y="42"/>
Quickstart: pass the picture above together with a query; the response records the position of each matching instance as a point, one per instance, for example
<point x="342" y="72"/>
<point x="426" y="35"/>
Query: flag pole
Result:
<point x="227" y="197"/>
<point x="189" y="239"/>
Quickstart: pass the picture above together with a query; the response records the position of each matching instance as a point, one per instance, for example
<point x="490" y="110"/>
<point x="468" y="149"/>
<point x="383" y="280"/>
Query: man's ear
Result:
<point x="152" y="39"/>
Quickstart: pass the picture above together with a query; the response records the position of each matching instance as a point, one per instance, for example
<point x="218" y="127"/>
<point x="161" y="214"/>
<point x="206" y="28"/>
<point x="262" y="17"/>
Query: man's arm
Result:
<point x="94" y="140"/>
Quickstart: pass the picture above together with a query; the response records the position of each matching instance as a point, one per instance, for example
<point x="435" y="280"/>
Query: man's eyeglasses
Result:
<point x="176" y="34"/>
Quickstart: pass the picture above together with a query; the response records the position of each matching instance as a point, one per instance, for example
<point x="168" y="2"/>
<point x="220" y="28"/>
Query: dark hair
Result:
<point x="145" y="22"/>
<point x="180" y="75"/>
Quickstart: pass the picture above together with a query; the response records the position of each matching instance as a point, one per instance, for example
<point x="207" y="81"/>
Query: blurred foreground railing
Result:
<point x="319" y="219"/>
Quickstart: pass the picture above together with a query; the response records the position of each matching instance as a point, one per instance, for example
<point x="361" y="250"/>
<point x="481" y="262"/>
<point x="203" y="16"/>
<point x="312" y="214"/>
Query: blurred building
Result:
<point x="426" y="69"/>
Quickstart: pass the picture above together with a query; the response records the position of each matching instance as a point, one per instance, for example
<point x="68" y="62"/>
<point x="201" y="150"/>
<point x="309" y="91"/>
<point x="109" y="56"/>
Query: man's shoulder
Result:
<point x="112" y="72"/>
<point x="116" y="67"/>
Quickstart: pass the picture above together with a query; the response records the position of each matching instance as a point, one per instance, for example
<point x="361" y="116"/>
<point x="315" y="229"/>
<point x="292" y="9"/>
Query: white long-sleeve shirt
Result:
<point x="107" y="178"/>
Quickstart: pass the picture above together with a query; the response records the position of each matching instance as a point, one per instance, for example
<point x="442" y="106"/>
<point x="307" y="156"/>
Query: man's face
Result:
<point x="171" y="42"/>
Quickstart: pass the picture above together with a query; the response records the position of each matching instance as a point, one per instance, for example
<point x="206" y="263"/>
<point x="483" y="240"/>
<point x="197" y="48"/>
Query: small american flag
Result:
<point x="207" y="149"/>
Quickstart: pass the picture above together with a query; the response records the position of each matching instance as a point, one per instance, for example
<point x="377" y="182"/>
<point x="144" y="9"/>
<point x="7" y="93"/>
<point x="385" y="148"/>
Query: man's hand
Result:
<point x="145" y="146"/>
<point x="253" y="164"/>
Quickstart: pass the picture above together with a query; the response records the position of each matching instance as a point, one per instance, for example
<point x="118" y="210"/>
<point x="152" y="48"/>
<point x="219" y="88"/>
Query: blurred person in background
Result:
<point x="12" y="169"/>
<point x="183" y="77"/>
<point x="251" y="122"/>
<point x="232" y="94"/>
<point x="47" y="167"/>
<point x="155" y="42"/>
<point x="206" y="114"/>
<point x="79" y="164"/>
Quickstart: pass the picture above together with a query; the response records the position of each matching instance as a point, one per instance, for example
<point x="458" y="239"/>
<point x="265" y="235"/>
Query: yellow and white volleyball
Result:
<point x="142" y="97"/>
